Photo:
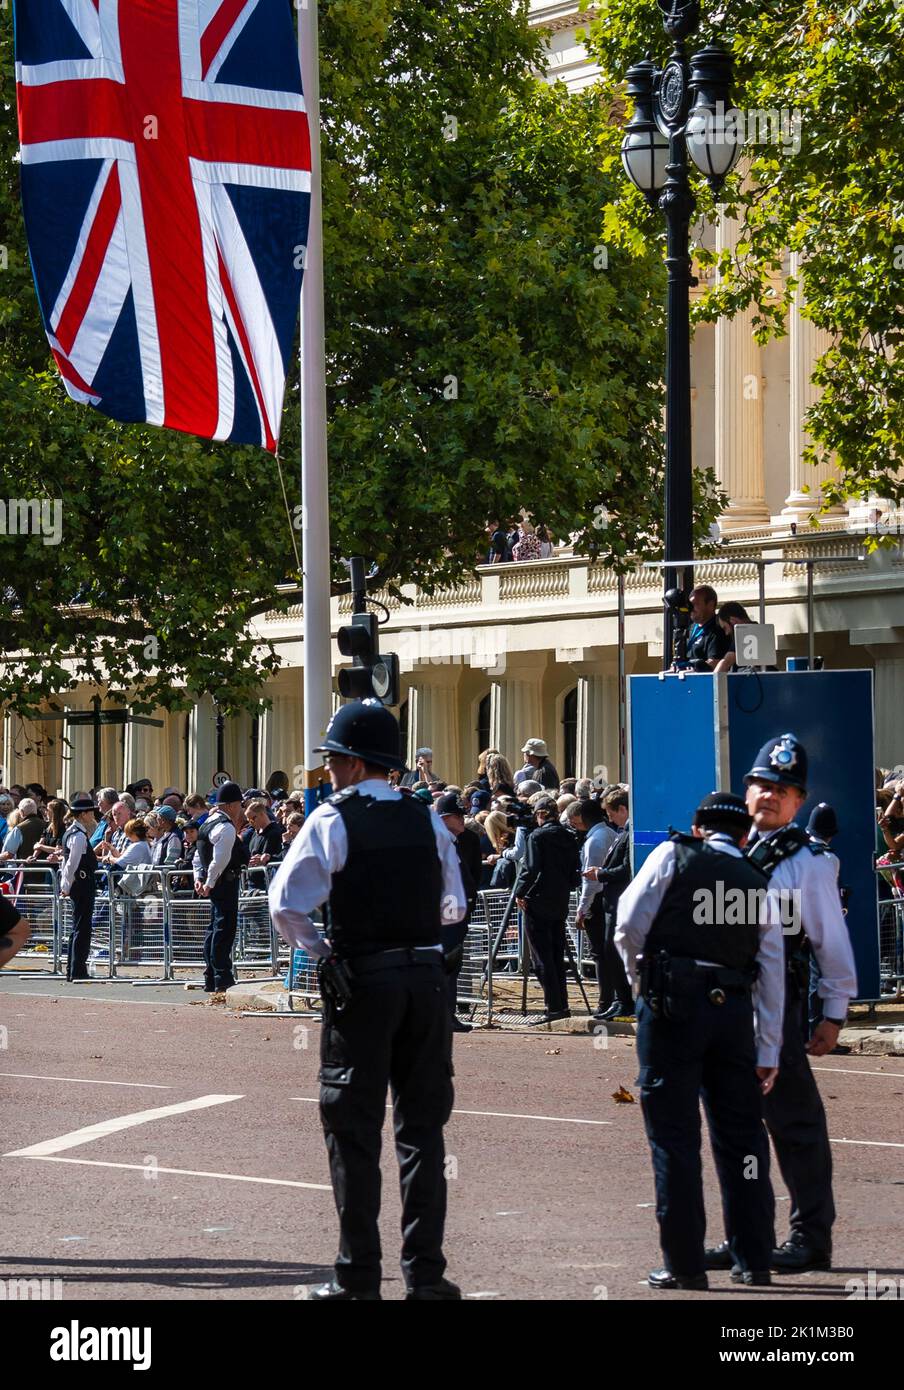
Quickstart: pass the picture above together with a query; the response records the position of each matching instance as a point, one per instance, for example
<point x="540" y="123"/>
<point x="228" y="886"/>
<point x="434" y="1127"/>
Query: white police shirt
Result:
<point x="642" y="899"/>
<point x="320" y="849"/>
<point x="75" y="843"/>
<point x="813" y="880"/>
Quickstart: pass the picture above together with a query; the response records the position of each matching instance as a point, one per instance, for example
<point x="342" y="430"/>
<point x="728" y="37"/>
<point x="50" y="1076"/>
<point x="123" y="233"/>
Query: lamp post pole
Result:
<point x="679" y="117"/>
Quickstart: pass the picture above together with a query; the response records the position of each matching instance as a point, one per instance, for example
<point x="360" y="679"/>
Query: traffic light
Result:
<point x="372" y="676"/>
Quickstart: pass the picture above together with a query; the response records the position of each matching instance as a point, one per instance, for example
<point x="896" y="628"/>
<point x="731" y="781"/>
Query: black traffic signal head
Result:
<point x="372" y="676"/>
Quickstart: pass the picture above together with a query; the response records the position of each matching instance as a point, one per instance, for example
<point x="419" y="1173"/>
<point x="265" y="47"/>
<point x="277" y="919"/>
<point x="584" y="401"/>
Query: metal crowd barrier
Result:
<point x="150" y="915"/>
<point x="891" y="933"/>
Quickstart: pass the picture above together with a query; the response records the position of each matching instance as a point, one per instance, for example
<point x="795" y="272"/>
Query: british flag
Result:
<point x="166" y="178"/>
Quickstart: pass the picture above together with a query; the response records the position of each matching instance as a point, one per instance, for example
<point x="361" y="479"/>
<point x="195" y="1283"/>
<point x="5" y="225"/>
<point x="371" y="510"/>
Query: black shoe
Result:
<point x="798" y="1255"/>
<point x="334" y="1293"/>
<point x="718" y="1257"/>
<point x="606" y="1015"/>
<point x="445" y="1289"/>
<point x="624" y="1011"/>
<point x="77" y="979"/>
<point x="750" y="1276"/>
<point x="601" y="1013"/>
<point x="552" y="1017"/>
<point x="459" y="1027"/>
<point x="665" y="1279"/>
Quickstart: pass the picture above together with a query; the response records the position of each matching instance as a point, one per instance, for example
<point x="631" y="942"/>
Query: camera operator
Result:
<point x="707" y="642"/>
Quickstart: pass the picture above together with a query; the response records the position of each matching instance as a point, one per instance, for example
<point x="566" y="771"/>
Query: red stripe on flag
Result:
<point x="227" y="133"/>
<point x="217" y="31"/>
<point x="92" y="263"/>
<point x="149" y="36"/>
<point x="246" y="349"/>
<point x="72" y="111"/>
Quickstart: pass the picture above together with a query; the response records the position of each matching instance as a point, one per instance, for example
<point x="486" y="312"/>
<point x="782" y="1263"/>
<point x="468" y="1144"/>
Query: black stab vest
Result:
<point x="720" y="923"/>
<point x="237" y="859"/>
<point x="388" y="894"/>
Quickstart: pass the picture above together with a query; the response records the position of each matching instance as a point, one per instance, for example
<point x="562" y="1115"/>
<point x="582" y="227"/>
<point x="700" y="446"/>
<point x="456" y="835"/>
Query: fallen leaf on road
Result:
<point x="623" y="1096"/>
<point x="553" y="1052"/>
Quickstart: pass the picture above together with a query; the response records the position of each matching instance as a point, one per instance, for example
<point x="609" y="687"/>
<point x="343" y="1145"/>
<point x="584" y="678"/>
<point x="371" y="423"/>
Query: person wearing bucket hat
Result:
<point x="696" y="911"/>
<point x="537" y="766"/>
<point x="385" y="870"/>
<point x="802" y="876"/>
<point x="77" y="871"/>
<point x="220" y="855"/>
<point x="168" y="845"/>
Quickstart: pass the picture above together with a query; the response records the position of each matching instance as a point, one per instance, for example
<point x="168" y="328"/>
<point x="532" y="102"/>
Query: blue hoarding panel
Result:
<point x="700" y="734"/>
<point x="672" y="755"/>
<point x="831" y="712"/>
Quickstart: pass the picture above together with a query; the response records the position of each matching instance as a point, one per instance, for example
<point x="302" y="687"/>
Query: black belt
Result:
<point x="723" y="977"/>
<point x="392" y="960"/>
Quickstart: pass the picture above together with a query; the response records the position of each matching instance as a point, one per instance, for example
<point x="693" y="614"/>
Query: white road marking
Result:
<point x="105" y="1127"/>
<point x="95" y="998"/>
<point x="494" y="1114"/>
<point x="86" y="1081"/>
<point x="860" y="1071"/>
<point x="181" y="1172"/>
<point x="868" y="1143"/>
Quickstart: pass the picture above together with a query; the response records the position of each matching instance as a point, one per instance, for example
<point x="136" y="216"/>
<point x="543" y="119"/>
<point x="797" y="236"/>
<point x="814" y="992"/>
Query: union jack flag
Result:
<point x="166" y="177"/>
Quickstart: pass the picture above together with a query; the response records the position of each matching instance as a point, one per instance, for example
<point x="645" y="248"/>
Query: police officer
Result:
<point x="388" y="869"/>
<point x="77" y="882"/>
<point x="220" y="856"/>
<point x="804" y="876"/>
<point x="698" y="912"/>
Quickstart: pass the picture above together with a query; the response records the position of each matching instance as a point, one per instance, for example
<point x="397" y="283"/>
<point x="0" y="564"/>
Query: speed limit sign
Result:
<point x="220" y="779"/>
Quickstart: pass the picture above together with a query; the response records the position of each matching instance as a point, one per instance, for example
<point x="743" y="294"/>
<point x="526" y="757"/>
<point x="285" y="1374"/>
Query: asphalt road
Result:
<point x="222" y="1191"/>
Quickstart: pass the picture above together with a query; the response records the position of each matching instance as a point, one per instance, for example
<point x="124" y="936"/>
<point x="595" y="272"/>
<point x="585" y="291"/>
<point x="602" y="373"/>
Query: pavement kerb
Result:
<point x="273" y="997"/>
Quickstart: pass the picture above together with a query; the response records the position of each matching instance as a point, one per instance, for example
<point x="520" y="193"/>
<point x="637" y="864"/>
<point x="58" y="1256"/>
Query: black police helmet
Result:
<point x="720" y="808"/>
<point x="781" y="759"/>
<point x="364" y="729"/>
<point x="823" y="822"/>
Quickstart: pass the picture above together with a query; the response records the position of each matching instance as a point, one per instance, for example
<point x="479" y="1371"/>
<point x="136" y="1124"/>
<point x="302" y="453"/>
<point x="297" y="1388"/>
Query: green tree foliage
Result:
<point x="825" y="180"/>
<point x="486" y="351"/>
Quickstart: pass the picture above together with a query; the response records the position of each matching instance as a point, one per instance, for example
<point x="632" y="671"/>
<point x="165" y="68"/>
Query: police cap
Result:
<point x="364" y="729"/>
<point x="229" y="793"/>
<point x="82" y="801"/>
<point x="719" y="807"/>
<point x="823" y="821"/>
<point x="781" y="759"/>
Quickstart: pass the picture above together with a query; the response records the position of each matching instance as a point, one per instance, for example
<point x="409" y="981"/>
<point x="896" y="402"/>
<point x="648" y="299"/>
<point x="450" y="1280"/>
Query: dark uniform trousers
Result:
<point x="454" y="936"/>
<point x="395" y="1032"/>
<point x="712" y="1055"/>
<point x="221" y="930"/>
<point x="546" y="939"/>
<point x="610" y="971"/>
<point x="797" y="1122"/>
<point x="82" y="898"/>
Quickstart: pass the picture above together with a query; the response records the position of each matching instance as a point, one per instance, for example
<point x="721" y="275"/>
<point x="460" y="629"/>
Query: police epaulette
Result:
<point x="767" y="854"/>
<point x="338" y="797"/>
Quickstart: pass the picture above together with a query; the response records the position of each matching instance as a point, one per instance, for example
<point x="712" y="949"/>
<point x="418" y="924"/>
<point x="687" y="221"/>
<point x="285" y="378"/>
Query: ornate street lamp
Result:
<point x="679" y="110"/>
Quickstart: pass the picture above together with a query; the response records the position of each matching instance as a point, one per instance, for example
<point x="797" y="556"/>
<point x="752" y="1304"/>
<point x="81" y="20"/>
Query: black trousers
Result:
<point x="220" y="938"/>
<point x="546" y="939"/>
<point x="595" y="927"/>
<point x="614" y="974"/>
<point x="711" y="1057"/>
<point x="396" y="1032"/>
<point x="453" y="936"/>
<point x="82" y="898"/>
<point x="796" y="1120"/>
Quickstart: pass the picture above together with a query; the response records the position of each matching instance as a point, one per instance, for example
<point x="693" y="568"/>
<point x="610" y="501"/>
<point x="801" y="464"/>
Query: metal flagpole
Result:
<point x="315" y="519"/>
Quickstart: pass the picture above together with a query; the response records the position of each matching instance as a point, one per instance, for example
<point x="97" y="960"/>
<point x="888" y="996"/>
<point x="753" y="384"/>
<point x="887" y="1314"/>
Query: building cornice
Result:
<point x="556" y="17"/>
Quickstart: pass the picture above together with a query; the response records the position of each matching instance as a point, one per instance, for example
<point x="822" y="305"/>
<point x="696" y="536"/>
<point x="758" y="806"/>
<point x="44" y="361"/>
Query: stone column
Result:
<point x="807" y="343"/>
<point x="433" y="723"/>
<point x="202" y="745"/>
<point x="889" y="701"/>
<point x="597" y="732"/>
<point x="739" y="411"/>
<point x="515" y="716"/>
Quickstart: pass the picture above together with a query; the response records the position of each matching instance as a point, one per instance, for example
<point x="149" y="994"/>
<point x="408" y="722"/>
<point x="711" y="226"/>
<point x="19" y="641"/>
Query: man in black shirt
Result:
<point x="548" y="873"/>
<point x="707" y="643"/>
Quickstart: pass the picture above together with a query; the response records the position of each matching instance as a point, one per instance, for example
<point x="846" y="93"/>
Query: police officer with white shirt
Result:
<point x="388" y="869"/>
<point x="805" y="876"/>
<point x="220" y="855"/>
<point x="77" y="882"/>
<point x="704" y="968"/>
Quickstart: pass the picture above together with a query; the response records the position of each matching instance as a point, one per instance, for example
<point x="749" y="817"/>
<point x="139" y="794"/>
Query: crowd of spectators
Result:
<point x="136" y="829"/>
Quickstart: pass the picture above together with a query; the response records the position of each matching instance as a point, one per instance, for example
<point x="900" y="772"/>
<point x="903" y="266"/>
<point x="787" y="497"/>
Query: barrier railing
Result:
<point x="891" y="932"/>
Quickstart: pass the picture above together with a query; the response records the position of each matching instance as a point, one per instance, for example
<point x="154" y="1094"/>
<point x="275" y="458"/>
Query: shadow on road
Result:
<point x="181" y="1273"/>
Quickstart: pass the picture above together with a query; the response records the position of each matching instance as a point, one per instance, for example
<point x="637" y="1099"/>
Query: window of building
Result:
<point x="570" y="731"/>
<point x="483" y="724"/>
